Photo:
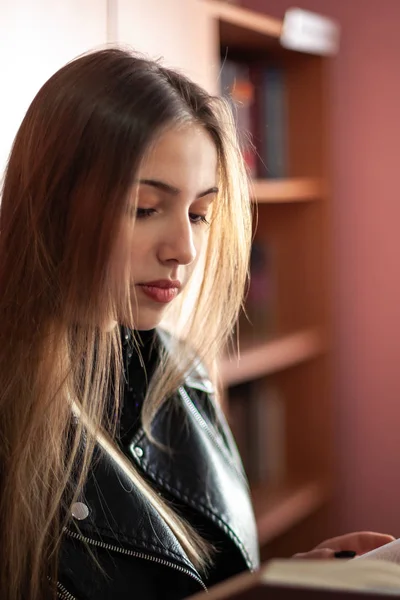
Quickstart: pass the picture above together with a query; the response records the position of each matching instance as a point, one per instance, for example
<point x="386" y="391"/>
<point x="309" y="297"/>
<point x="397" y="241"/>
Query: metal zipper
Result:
<point x="133" y="553"/>
<point x="63" y="593"/>
<point x="204" y="425"/>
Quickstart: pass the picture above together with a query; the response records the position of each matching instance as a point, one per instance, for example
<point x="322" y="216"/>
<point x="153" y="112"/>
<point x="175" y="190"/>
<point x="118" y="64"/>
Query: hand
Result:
<point x="360" y="542"/>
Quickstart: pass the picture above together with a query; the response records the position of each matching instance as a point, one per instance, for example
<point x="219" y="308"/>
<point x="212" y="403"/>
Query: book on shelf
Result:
<point x="274" y="120"/>
<point x="239" y="421"/>
<point x="257" y="420"/>
<point x="258" y="321"/>
<point x="261" y="299"/>
<point x="257" y="94"/>
<point x="237" y="87"/>
<point x="289" y="579"/>
<point x="268" y="440"/>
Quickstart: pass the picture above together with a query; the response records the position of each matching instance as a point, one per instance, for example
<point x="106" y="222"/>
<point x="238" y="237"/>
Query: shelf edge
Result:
<point x="270" y="357"/>
<point x="286" y="190"/>
<point x="245" y="18"/>
<point x="300" y="502"/>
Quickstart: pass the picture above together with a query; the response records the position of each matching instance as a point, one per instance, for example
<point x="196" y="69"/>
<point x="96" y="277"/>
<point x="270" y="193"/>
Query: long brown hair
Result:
<point x="65" y="195"/>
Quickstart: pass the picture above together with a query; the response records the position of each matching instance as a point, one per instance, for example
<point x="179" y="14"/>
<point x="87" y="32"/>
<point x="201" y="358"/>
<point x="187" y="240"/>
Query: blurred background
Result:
<point x="314" y="400"/>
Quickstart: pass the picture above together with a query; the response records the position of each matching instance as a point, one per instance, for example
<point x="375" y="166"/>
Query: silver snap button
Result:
<point x="138" y="451"/>
<point x="79" y="511"/>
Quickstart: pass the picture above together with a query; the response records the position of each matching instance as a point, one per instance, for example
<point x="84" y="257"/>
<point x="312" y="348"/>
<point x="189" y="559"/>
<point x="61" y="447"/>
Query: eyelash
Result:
<point x="144" y="213"/>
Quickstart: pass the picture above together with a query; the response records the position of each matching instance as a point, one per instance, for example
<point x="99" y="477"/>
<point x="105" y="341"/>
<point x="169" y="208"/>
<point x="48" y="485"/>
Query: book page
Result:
<point x="373" y="575"/>
<point x="389" y="552"/>
<point x="282" y="579"/>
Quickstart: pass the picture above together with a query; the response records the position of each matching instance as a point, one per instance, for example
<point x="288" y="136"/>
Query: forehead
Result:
<point x="185" y="157"/>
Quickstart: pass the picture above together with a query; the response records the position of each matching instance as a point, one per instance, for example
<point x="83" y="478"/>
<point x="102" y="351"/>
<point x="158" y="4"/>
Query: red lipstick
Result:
<point x="162" y="290"/>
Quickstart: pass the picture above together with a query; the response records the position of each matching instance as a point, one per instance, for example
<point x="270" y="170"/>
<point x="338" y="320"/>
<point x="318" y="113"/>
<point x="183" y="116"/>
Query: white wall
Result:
<point x="178" y="31"/>
<point x="36" y="38"/>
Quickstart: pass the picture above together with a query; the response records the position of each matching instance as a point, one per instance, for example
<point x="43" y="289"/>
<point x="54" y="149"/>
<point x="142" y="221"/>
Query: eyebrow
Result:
<point x="173" y="191"/>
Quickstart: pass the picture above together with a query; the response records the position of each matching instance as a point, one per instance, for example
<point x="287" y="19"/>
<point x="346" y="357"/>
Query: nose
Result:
<point x="177" y="244"/>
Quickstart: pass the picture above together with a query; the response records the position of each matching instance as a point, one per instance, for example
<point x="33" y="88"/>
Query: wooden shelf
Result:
<point x="291" y="218"/>
<point x="242" y="28"/>
<point x="270" y="357"/>
<point x="278" y="508"/>
<point x="286" y="190"/>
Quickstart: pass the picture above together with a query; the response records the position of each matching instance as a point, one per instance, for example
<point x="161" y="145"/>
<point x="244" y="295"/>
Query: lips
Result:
<point x="162" y="290"/>
<point x="163" y="283"/>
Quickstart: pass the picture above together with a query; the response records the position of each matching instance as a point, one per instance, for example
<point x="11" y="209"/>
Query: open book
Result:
<point x="367" y="577"/>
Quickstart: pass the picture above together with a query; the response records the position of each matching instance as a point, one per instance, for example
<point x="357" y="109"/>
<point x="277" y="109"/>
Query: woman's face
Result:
<point x="175" y="188"/>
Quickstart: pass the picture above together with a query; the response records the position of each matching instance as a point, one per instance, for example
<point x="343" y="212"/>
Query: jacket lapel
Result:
<point x="202" y="467"/>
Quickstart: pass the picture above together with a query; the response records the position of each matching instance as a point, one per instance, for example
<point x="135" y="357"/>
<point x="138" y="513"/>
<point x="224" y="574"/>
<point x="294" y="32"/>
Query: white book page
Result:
<point x="334" y="574"/>
<point x="389" y="552"/>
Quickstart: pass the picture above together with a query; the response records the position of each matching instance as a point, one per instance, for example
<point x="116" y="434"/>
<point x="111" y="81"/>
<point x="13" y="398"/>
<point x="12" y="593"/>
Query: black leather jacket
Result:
<point x="138" y="556"/>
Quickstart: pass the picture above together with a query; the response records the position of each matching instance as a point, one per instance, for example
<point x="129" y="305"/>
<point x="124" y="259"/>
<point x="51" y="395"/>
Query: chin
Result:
<point x="146" y="326"/>
<point x="148" y="320"/>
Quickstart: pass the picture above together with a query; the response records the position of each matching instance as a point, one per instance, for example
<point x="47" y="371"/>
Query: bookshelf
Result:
<point x="282" y="370"/>
<point x="278" y="508"/>
<point x="300" y="189"/>
<point x="243" y="28"/>
<point x="265" y="358"/>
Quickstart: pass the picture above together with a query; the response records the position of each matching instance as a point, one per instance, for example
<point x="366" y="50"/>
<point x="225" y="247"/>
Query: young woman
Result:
<point x="125" y="204"/>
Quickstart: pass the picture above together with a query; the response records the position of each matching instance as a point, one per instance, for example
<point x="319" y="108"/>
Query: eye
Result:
<point x="142" y="213"/>
<point x="198" y="218"/>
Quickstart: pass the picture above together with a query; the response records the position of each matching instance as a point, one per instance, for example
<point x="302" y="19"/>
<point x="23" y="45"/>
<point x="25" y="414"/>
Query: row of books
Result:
<point x="257" y="420"/>
<point x="258" y="322"/>
<point x="258" y="96"/>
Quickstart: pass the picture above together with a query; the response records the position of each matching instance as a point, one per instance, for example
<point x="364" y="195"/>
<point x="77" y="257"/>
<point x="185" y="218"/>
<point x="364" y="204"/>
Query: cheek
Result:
<point x="200" y="240"/>
<point x="140" y="253"/>
<point x="189" y="269"/>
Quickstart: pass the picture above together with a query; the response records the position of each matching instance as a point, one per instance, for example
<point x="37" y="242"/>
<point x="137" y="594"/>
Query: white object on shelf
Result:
<point x="310" y="32"/>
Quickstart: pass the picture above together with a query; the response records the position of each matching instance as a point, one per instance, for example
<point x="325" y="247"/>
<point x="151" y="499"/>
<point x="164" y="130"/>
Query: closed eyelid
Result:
<point x="201" y="205"/>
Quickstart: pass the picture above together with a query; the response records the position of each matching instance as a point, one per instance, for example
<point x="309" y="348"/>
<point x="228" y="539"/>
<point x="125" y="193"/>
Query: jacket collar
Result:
<point x="202" y="467"/>
<point x="206" y="474"/>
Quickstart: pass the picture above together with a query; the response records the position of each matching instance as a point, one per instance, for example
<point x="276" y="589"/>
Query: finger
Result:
<point x="360" y="542"/>
<point x="316" y="554"/>
<point x="370" y="541"/>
